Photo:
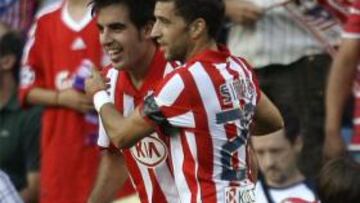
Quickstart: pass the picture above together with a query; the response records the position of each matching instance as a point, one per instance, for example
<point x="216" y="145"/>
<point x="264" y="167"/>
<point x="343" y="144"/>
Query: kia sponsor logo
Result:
<point x="150" y="151"/>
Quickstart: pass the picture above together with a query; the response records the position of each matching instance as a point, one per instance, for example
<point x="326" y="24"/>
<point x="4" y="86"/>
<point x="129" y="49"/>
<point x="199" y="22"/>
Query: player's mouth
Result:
<point x="114" y="54"/>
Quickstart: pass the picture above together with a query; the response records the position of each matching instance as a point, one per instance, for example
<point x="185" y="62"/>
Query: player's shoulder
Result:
<point x="48" y="10"/>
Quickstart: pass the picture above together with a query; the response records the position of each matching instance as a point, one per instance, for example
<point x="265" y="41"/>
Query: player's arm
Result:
<point x="111" y="176"/>
<point x="341" y="77"/>
<point x="123" y="132"/>
<point x="242" y="11"/>
<point x="31" y="192"/>
<point x="69" y="98"/>
<point x="267" y="117"/>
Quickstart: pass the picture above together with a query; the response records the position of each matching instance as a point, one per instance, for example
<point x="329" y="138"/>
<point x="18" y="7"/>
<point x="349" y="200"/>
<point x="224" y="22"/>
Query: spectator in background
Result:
<point x="344" y="76"/>
<point x="61" y="48"/>
<point x="280" y="178"/>
<point x="339" y="181"/>
<point x="18" y="14"/>
<point x="19" y="129"/>
<point x="290" y="63"/>
<point x="8" y="193"/>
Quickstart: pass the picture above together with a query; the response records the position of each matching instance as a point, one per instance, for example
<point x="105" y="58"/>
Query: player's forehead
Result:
<point x="165" y="9"/>
<point x="273" y="140"/>
<point x="115" y="13"/>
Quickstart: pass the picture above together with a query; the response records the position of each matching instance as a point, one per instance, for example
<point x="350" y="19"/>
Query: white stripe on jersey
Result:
<point x="170" y="93"/>
<point x="190" y="139"/>
<point x="244" y="72"/>
<point x="177" y="162"/>
<point x="129" y="104"/>
<point x="207" y="93"/>
<point x="166" y="180"/>
<point x="186" y="120"/>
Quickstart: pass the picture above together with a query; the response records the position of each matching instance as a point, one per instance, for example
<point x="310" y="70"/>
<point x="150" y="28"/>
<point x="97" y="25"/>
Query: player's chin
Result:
<point x="119" y="65"/>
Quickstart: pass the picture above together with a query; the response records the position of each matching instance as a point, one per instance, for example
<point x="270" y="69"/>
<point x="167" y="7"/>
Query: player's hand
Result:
<point x="334" y="145"/>
<point x="243" y="12"/>
<point x="76" y="100"/>
<point x="95" y="83"/>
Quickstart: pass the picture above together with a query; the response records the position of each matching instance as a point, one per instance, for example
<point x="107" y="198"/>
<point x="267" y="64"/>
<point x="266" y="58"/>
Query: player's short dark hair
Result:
<point x="212" y="11"/>
<point x="339" y="181"/>
<point x="141" y="12"/>
<point x="12" y="43"/>
<point x="292" y="125"/>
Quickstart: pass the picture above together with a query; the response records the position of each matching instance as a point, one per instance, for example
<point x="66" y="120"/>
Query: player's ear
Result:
<point x="197" y="28"/>
<point x="146" y="30"/>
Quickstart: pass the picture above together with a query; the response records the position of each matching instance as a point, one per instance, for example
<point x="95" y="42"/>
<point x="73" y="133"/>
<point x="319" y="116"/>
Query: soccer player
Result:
<point x="61" y="45"/>
<point x="341" y="79"/>
<point x="206" y="107"/>
<point x="137" y="65"/>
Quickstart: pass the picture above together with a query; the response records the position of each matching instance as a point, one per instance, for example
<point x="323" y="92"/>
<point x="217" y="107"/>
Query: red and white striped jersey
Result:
<point x="352" y="31"/>
<point x="147" y="161"/>
<point x="352" y="27"/>
<point x="211" y="101"/>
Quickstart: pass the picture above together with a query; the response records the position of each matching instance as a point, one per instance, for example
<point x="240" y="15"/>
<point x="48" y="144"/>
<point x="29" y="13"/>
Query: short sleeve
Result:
<point x="173" y="99"/>
<point x="31" y="72"/>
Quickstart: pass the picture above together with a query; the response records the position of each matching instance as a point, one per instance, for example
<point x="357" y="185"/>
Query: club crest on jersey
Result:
<point x="150" y="151"/>
<point x="63" y="80"/>
<point x="27" y="76"/>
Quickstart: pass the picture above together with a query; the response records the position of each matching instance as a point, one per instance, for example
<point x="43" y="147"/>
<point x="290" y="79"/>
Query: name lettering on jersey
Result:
<point x="236" y="90"/>
<point x="150" y="151"/>
<point x="78" y="44"/>
<point x="27" y="76"/>
<point x="63" y="80"/>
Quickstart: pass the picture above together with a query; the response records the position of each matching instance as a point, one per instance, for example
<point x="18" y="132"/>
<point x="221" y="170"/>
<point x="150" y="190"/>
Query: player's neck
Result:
<point x="296" y="177"/>
<point x="140" y="69"/>
<point x="200" y="46"/>
<point x="7" y="85"/>
<point x="77" y="9"/>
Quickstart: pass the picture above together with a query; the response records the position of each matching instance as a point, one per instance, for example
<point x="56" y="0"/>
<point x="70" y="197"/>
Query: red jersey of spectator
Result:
<point x="352" y="31"/>
<point x="208" y="105"/>
<point x="56" y="48"/>
<point x="146" y="161"/>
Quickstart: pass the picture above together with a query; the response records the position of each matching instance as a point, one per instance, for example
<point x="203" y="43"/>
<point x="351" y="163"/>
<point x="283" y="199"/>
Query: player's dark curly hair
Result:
<point x="212" y="11"/>
<point x="141" y="12"/>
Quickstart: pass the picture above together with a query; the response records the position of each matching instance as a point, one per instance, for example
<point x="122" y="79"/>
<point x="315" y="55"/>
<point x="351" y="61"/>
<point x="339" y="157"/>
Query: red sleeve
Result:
<point x="171" y="100"/>
<point x="32" y="72"/>
<point x="352" y="27"/>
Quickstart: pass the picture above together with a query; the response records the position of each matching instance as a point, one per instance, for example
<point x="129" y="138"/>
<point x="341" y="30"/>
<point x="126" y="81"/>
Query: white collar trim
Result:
<point x="71" y="23"/>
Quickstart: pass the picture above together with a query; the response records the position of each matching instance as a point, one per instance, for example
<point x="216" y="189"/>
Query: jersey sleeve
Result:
<point x="352" y="27"/>
<point x="170" y="103"/>
<point x="251" y="74"/>
<point x="32" y="72"/>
